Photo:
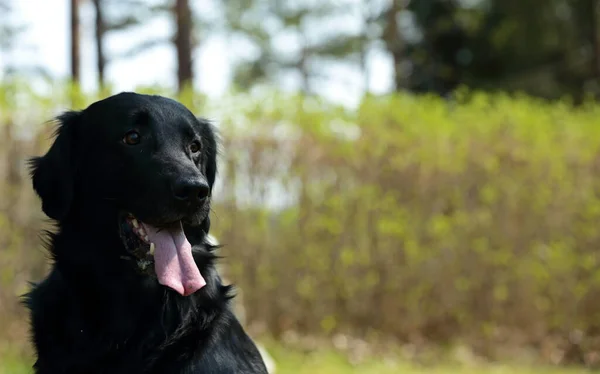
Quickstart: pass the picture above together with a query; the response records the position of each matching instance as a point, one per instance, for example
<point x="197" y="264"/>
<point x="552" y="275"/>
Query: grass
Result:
<point x="14" y="365"/>
<point x="328" y="362"/>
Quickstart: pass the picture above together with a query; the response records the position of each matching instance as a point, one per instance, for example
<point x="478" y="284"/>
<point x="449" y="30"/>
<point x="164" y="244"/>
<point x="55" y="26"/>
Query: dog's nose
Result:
<point x="192" y="190"/>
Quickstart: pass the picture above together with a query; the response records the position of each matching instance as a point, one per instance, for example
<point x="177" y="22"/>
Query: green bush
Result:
<point x="409" y="217"/>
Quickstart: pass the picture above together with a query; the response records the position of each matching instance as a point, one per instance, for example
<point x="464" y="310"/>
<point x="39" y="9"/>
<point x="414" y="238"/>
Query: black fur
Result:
<point x="95" y="313"/>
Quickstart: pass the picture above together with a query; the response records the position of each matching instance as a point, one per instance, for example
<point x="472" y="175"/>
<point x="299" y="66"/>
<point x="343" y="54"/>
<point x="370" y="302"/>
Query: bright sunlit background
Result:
<point x="406" y="186"/>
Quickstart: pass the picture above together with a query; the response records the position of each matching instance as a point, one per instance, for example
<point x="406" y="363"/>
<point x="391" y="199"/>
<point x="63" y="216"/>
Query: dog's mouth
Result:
<point x="167" y="248"/>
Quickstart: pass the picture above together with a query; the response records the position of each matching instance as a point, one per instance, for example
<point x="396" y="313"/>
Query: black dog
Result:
<point x="133" y="287"/>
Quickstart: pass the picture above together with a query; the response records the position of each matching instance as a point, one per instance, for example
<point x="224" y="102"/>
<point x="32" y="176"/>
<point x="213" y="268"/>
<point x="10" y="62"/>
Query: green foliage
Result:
<point x="411" y="216"/>
<point x="542" y="47"/>
<point x="481" y="211"/>
<point x="268" y="27"/>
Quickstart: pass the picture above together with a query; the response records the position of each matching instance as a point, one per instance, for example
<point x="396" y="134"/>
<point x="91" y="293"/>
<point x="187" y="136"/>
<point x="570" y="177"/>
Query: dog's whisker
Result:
<point x="215" y="214"/>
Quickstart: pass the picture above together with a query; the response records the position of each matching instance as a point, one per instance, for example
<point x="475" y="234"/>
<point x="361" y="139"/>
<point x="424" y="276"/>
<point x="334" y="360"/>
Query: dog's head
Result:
<point x="146" y="158"/>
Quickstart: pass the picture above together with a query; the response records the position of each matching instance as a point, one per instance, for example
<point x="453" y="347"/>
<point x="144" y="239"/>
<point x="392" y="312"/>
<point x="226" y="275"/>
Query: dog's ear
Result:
<point x="211" y="169"/>
<point x="53" y="175"/>
<point x="212" y="151"/>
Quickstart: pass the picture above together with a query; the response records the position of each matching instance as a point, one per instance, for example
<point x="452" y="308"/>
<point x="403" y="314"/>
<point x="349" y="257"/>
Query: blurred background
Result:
<point x="406" y="185"/>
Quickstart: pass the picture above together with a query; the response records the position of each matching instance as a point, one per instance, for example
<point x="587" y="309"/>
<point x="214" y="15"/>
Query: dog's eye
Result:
<point x="195" y="147"/>
<point x="132" y="137"/>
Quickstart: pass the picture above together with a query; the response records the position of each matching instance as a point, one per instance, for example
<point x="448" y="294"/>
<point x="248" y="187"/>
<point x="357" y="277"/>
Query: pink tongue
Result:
<point x="173" y="261"/>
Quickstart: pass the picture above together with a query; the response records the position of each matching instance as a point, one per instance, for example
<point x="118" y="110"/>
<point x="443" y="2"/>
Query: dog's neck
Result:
<point x="126" y="297"/>
<point x="96" y="238"/>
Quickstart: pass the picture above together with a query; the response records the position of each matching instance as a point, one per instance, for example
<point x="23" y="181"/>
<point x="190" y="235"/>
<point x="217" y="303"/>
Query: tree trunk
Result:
<point x="303" y="67"/>
<point x="303" y="62"/>
<point x="594" y="40"/>
<point x="364" y="51"/>
<point x="393" y="42"/>
<point x="100" y="30"/>
<point x="183" y="43"/>
<point x="75" y="42"/>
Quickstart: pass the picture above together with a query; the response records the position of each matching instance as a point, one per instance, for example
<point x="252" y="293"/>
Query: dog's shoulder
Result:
<point x="52" y="322"/>
<point x="228" y="350"/>
<point x="52" y="290"/>
<point x="235" y="352"/>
